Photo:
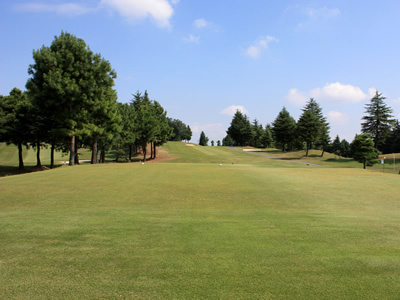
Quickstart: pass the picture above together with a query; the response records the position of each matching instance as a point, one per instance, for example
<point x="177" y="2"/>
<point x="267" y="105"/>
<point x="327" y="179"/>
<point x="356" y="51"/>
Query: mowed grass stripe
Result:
<point x="199" y="230"/>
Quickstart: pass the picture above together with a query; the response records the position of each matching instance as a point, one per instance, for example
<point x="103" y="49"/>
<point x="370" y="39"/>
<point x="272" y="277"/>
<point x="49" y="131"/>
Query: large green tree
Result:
<point x="72" y="88"/>
<point x="312" y="125"/>
<point x="284" y="129"/>
<point x="364" y="150"/>
<point x="16" y="121"/>
<point x="240" y="129"/>
<point x="378" y="120"/>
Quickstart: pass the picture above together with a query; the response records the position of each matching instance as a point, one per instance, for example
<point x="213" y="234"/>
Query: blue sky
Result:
<point x="202" y="60"/>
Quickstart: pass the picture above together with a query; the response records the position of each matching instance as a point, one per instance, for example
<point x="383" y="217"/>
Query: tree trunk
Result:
<point x="151" y="150"/>
<point x="307" y="148"/>
<point x="323" y="151"/>
<point x="155" y="151"/>
<point x="38" y="162"/>
<point x="52" y="156"/>
<point x="72" y="152"/>
<point x="76" y="152"/>
<point x="144" y="152"/>
<point x="364" y="164"/>
<point x="102" y="156"/>
<point x="130" y="152"/>
<point x="94" y="151"/>
<point x="20" y="158"/>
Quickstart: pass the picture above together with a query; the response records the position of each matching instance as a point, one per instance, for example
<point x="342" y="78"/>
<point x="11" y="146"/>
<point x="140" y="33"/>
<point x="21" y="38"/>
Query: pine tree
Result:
<point x="363" y="149"/>
<point x="378" y="120"/>
<point x="240" y="129"/>
<point x="312" y="125"/>
<point x="203" y="139"/>
<point x="267" y="138"/>
<point x="284" y="129"/>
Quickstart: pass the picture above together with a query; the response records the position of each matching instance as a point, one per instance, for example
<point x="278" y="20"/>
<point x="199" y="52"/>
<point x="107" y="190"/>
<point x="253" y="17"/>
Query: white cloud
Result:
<point x="254" y="51"/>
<point x="69" y="9"/>
<point x="296" y="97"/>
<point x="331" y="93"/>
<point x="231" y="110"/>
<point x="338" y="92"/>
<point x="192" y="39"/>
<point x="214" y="131"/>
<point x="316" y="15"/>
<point x="371" y="92"/>
<point x="323" y="12"/>
<point x="159" y="10"/>
<point x="200" y="23"/>
<point x="337" y="117"/>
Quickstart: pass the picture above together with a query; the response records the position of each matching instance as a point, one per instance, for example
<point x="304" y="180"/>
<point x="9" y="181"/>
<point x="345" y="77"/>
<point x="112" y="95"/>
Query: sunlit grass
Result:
<point x="255" y="229"/>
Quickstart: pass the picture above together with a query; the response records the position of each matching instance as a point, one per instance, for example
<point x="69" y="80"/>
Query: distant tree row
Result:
<point x="70" y="102"/>
<point x="284" y="133"/>
<point x="312" y="130"/>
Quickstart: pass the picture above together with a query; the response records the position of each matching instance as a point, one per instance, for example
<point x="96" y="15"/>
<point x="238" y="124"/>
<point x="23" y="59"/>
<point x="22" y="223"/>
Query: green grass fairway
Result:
<point x="189" y="228"/>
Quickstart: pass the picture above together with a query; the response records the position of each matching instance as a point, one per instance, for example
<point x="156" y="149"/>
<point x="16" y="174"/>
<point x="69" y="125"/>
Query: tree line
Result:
<point x="285" y="133"/>
<point x="380" y="132"/>
<point x="70" y="103"/>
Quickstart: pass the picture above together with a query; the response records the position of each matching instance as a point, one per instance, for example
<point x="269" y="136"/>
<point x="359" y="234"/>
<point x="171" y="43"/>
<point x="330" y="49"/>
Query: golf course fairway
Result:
<point x="206" y="223"/>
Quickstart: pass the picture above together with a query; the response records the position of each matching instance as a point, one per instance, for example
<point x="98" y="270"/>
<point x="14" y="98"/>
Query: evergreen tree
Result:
<point x="240" y="129"/>
<point x="187" y="136"/>
<point x="267" y="138"/>
<point x="392" y="142"/>
<point x="312" y="126"/>
<point x="257" y="134"/>
<point x="378" y="120"/>
<point x="345" y="148"/>
<point x="336" y="146"/>
<point x="284" y="129"/>
<point x="145" y="121"/>
<point x="203" y="139"/>
<point x="228" y="141"/>
<point x="16" y="120"/>
<point x="69" y="87"/>
<point x="364" y="150"/>
<point x="218" y="143"/>
<point x="324" y="138"/>
<point x="180" y="132"/>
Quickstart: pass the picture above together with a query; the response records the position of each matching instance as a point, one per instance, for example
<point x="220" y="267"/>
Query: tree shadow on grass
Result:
<point x="9" y="170"/>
